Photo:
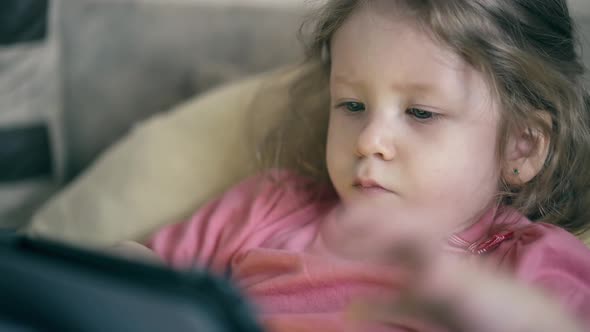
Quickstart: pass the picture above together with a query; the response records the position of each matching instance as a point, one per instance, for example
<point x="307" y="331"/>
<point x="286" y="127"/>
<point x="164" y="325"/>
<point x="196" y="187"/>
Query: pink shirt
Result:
<point x="262" y="233"/>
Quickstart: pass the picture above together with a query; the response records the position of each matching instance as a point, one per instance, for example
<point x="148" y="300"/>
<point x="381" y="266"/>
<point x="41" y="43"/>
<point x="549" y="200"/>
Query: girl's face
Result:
<point x="412" y="126"/>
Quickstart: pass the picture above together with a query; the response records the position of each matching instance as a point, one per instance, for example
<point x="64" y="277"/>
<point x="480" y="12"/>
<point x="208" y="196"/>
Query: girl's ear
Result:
<point x="526" y="154"/>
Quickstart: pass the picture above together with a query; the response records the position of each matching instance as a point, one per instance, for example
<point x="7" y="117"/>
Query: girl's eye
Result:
<point x="420" y="114"/>
<point x="353" y="106"/>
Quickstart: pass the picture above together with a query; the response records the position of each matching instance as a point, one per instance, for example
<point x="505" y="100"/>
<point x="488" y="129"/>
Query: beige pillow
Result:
<point x="167" y="167"/>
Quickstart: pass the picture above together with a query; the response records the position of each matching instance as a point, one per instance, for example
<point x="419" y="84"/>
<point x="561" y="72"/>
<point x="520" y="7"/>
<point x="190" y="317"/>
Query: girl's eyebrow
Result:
<point x="423" y="87"/>
<point x="416" y="86"/>
<point x="347" y="80"/>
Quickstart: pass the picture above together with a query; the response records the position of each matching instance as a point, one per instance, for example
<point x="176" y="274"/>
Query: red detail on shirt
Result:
<point x="492" y="243"/>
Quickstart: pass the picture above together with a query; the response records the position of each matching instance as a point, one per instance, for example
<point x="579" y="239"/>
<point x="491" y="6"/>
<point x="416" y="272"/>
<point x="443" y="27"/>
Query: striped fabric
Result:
<point x="29" y="111"/>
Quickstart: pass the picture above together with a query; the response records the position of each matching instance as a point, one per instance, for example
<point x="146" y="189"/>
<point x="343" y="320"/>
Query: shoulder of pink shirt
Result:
<point x="550" y="257"/>
<point x="246" y="215"/>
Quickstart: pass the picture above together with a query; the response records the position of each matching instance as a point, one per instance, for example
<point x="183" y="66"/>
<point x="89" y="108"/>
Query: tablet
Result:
<point x="48" y="286"/>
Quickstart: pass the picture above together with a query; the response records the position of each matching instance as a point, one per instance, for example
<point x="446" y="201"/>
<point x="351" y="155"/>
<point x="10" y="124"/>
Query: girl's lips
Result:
<point x="370" y="186"/>
<point x="373" y="190"/>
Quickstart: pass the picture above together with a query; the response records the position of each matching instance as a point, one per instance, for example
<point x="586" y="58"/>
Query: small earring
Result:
<point x="516" y="171"/>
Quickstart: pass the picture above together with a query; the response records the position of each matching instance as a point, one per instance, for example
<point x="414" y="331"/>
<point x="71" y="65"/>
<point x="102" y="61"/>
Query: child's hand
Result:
<point x="456" y="297"/>
<point x="134" y="251"/>
<point x="442" y="291"/>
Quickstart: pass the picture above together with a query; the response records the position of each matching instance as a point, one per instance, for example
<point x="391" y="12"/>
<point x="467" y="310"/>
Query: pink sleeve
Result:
<point x="556" y="261"/>
<point x="237" y="220"/>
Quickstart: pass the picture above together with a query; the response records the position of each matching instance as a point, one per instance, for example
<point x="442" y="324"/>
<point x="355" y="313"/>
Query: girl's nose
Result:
<point x="375" y="140"/>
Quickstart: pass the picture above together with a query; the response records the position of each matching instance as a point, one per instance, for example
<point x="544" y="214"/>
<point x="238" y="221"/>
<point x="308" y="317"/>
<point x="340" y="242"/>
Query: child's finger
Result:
<point x="429" y="314"/>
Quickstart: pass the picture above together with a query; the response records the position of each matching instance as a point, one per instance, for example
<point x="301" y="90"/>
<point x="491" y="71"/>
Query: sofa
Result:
<point x="99" y="68"/>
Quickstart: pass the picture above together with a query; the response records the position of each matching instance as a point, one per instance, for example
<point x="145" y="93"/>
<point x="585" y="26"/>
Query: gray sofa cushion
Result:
<point x="126" y="60"/>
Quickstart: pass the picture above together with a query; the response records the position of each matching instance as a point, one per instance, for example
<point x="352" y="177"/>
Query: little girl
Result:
<point x="459" y="120"/>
